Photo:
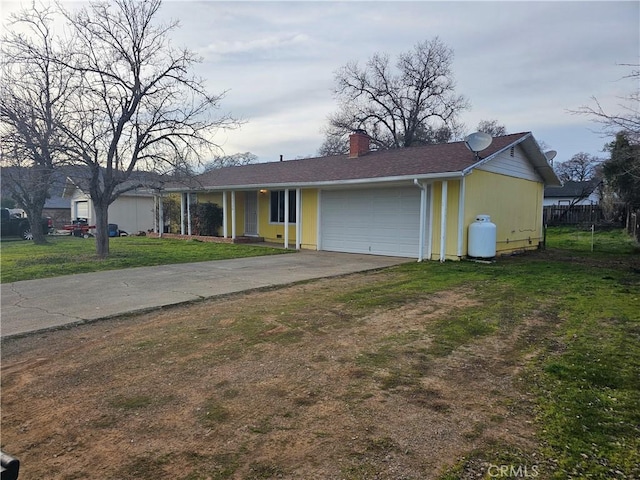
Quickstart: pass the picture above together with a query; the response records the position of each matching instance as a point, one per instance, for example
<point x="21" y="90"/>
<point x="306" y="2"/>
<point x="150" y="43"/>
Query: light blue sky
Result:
<point x="525" y="64"/>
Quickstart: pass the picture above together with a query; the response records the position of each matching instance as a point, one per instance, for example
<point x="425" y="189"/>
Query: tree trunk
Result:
<point x="102" y="230"/>
<point x="36" y="229"/>
<point x="34" y="214"/>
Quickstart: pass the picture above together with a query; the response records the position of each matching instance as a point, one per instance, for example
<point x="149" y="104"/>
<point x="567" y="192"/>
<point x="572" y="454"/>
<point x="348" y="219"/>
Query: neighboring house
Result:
<point x="132" y="211"/>
<point x="410" y="202"/>
<point x="573" y="193"/>
<point x="55" y="207"/>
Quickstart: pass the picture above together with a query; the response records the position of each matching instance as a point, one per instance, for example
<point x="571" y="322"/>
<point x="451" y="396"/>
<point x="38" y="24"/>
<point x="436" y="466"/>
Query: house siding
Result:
<point x="515" y="207"/>
<point x="131" y="213"/>
<point x="512" y="166"/>
<point x="274" y="232"/>
<point x="592" y="199"/>
<point x="271" y="232"/>
<point x="309" y="238"/>
<point x="453" y="204"/>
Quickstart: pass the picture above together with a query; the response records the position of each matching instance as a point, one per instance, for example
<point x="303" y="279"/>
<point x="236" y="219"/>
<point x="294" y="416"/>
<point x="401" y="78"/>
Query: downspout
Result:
<point x="461" y="216"/>
<point x="443" y="221"/>
<point x="225" y="219"/>
<point x="423" y="213"/>
<point x="430" y="240"/>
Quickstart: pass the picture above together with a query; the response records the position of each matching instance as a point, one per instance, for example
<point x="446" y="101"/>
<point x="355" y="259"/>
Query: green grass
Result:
<point x="69" y="255"/>
<point x="582" y="240"/>
<point x="581" y="363"/>
<point x="585" y="378"/>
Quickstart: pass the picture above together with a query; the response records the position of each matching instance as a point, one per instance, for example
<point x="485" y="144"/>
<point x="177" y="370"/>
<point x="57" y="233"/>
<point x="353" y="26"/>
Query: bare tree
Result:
<point x="579" y="168"/>
<point x="412" y="104"/>
<point x="34" y="88"/>
<point x="627" y="118"/>
<point x="335" y="142"/>
<point x="492" y="127"/>
<point x="233" y="160"/>
<point x="622" y="169"/>
<point x="138" y="107"/>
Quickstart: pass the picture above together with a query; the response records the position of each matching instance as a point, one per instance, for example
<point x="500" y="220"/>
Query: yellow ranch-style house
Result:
<point x="415" y="202"/>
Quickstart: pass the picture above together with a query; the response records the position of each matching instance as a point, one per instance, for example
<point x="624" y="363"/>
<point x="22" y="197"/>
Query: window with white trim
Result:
<point x="276" y="207"/>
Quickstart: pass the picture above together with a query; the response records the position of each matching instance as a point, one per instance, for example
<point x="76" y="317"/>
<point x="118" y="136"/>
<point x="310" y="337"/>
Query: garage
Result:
<point x="381" y="221"/>
<point x="81" y="209"/>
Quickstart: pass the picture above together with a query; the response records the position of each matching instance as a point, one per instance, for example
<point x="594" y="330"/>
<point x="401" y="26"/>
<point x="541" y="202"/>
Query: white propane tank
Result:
<point x="482" y="238"/>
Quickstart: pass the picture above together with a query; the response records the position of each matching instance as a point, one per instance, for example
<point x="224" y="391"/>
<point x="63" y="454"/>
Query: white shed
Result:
<point x="132" y="211"/>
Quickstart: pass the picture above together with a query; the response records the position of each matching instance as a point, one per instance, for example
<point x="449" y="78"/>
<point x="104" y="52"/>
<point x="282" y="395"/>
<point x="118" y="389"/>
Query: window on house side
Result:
<point x="277" y="206"/>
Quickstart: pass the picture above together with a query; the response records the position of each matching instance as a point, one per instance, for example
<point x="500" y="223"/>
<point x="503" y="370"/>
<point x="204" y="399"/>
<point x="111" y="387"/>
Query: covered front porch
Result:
<point x="248" y="216"/>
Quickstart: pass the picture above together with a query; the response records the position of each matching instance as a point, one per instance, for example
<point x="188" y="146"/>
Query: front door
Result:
<point x="251" y="214"/>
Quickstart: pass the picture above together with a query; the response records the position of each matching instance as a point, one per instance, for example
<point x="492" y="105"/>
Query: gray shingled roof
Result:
<point x="429" y="161"/>
<point x="573" y="189"/>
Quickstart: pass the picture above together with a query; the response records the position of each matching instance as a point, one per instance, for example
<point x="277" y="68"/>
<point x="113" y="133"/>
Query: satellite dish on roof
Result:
<point x="551" y="154"/>
<point x="478" y="141"/>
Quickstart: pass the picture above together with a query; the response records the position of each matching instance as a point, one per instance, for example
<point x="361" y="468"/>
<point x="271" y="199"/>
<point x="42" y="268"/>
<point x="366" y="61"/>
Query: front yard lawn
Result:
<point x="20" y="260"/>
<point x="528" y="367"/>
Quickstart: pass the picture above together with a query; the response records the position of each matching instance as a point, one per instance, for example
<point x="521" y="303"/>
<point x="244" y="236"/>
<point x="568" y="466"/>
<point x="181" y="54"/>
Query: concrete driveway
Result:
<point x="35" y="305"/>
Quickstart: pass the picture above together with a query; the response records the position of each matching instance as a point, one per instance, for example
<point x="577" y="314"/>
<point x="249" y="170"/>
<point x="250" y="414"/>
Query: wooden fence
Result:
<point x="572" y="215"/>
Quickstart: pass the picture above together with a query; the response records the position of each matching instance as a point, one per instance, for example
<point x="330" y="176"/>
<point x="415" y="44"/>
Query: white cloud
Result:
<point x="523" y="63"/>
<point x="262" y="46"/>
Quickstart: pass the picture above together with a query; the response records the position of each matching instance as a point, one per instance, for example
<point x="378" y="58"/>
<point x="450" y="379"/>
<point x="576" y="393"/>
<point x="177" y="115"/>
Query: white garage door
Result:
<point x="82" y="210"/>
<point x="377" y="221"/>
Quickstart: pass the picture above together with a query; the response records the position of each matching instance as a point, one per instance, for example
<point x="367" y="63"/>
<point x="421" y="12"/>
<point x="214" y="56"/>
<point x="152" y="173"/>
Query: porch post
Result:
<point x="181" y="213"/>
<point x="298" y="218"/>
<point x="443" y="221"/>
<point x="430" y="239"/>
<point x="155" y="214"/>
<point x="160" y="217"/>
<point x="225" y="229"/>
<point x="233" y="214"/>
<point x="286" y="218"/>
<point x="188" y="213"/>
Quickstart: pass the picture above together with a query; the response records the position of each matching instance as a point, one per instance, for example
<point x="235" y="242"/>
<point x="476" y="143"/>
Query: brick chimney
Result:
<point x="358" y="144"/>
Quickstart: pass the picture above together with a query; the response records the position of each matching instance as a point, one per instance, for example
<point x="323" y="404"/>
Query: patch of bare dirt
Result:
<point x="273" y="384"/>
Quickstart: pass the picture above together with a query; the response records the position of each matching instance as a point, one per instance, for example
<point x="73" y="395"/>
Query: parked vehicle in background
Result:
<point x="16" y="223"/>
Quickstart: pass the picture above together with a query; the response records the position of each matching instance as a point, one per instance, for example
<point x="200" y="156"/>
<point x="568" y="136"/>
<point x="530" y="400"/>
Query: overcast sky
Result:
<point x="525" y="64"/>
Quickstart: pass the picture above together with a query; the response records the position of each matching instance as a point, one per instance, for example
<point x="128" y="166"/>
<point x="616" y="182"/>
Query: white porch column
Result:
<point x="286" y="218"/>
<point x="233" y="214"/>
<point x="182" y="213"/>
<point x="188" y="213"/>
<point x="155" y="213"/>
<point x="298" y="218"/>
<point x="225" y="229"/>
<point x="160" y="217"/>
<point x="430" y="239"/>
<point x="443" y="221"/>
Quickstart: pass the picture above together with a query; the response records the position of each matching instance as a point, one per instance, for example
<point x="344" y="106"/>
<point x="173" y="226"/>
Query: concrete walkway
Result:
<point x="35" y="305"/>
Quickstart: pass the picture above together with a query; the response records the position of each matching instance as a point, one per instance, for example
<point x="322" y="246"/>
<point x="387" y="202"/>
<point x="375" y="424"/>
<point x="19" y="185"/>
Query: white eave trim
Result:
<point x="487" y="159"/>
<point x="331" y="183"/>
<point x="545" y="170"/>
